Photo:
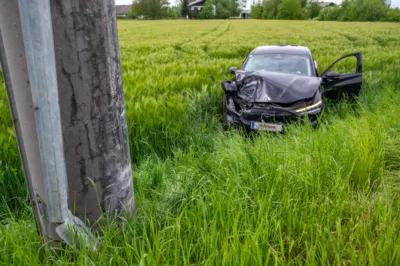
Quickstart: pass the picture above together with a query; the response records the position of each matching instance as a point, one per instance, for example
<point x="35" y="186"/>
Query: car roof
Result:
<point x="285" y="49"/>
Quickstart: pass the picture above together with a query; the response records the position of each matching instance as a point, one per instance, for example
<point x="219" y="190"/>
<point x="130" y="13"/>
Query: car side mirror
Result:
<point x="228" y="87"/>
<point x="332" y="75"/>
<point x="233" y="70"/>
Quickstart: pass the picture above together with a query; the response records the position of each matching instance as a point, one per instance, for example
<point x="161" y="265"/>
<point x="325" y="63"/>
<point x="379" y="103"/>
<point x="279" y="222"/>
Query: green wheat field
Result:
<point x="325" y="196"/>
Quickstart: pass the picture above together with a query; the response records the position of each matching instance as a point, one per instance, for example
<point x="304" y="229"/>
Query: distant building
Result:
<point x="325" y="4"/>
<point x="245" y="13"/>
<point x="122" y="10"/>
<point x="196" y="5"/>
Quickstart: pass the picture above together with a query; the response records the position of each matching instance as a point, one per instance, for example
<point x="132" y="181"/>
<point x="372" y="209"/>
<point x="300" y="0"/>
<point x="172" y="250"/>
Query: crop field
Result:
<point x="325" y="196"/>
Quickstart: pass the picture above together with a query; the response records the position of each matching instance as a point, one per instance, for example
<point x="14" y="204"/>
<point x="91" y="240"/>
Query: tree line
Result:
<point x="161" y="9"/>
<point x="348" y="10"/>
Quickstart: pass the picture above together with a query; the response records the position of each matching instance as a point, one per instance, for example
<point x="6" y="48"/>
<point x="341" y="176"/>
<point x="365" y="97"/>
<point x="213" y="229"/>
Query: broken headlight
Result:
<point x="311" y="109"/>
<point x="248" y="92"/>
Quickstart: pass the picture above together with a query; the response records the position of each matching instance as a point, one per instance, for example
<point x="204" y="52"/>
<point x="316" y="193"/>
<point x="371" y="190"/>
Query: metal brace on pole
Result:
<point x="39" y="48"/>
<point x="14" y="68"/>
<point x="66" y="97"/>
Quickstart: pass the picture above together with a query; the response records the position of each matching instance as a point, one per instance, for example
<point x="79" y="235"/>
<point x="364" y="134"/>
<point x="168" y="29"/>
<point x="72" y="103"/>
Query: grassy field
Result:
<point x="315" y="197"/>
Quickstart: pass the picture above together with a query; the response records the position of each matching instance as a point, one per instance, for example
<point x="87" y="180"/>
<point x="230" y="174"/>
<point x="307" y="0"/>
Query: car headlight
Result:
<point x="248" y="92"/>
<point x="314" y="108"/>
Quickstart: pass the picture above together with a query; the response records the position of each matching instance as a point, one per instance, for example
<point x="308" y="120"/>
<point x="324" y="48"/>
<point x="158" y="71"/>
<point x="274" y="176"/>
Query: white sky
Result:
<point x="395" y="3"/>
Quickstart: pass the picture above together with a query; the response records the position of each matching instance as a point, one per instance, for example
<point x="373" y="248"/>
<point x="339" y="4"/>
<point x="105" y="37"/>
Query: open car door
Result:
<point x="337" y="85"/>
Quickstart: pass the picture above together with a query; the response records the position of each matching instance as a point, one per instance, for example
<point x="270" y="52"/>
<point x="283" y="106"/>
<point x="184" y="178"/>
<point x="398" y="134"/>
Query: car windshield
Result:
<point x="283" y="63"/>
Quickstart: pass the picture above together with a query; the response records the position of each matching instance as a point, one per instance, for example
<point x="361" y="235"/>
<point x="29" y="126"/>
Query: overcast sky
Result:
<point x="395" y="3"/>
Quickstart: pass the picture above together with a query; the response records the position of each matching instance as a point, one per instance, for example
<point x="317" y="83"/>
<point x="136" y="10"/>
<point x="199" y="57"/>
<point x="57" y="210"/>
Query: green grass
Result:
<point x="315" y="197"/>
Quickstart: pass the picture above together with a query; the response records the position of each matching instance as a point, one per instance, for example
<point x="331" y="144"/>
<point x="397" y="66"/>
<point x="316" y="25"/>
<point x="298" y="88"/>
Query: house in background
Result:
<point x="196" y="5"/>
<point x="325" y="4"/>
<point x="122" y="10"/>
<point x="245" y="13"/>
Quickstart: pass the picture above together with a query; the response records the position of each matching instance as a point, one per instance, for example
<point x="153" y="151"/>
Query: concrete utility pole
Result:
<point x="92" y="106"/>
<point x="61" y="59"/>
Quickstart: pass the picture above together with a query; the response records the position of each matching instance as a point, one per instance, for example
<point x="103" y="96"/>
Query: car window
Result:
<point x="284" y="63"/>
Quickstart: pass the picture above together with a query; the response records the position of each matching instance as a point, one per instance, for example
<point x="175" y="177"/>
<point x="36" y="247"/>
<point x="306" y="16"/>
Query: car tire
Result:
<point x="226" y="125"/>
<point x="314" y="122"/>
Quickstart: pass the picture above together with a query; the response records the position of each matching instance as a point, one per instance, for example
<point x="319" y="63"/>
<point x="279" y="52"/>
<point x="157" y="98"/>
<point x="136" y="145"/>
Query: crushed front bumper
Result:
<point x="273" y="116"/>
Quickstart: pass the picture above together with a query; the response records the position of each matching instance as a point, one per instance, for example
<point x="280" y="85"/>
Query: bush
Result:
<point x="393" y="15"/>
<point x="371" y="10"/>
<point x="208" y="10"/>
<point x="330" y="13"/>
<point x="313" y="9"/>
<point x="290" y="9"/>
<point x="256" y="11"/>
<point x="270" y="8"/>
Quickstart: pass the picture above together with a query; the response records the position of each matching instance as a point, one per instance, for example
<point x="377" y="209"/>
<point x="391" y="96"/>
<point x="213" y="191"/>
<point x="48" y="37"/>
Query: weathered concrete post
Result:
<point x="60" y="59"/>
<point x="92" y="107"/>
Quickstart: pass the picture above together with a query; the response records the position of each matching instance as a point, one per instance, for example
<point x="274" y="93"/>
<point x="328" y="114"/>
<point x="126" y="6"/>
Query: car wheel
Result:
<point x="226" y="124"/>
<point x="314" y="122"/>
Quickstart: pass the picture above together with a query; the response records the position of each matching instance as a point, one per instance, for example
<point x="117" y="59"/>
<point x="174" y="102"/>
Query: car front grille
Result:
<point x="263" y="114"/>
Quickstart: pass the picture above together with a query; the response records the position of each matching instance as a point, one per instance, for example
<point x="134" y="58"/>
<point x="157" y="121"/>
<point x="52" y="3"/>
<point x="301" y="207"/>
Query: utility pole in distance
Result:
<point x="61" y="59"/>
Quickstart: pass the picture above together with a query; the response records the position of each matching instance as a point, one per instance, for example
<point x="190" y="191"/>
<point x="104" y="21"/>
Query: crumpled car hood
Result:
<point x="271" y="87"/>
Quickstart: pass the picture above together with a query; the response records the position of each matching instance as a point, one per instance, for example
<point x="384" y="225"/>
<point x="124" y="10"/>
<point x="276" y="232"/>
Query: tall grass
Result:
<point x="312" y="196"/>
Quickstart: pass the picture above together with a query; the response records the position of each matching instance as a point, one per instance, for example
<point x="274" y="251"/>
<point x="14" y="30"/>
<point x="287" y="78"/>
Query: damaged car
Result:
<point x="278" y="84"/>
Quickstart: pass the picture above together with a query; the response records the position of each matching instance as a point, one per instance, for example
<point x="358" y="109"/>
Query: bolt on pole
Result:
<point x="62" y="70"/>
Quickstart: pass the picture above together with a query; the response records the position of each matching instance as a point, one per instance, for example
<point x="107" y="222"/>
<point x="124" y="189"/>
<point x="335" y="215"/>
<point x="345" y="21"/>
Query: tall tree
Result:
<point x="313" y="8"/>
<point x="227" y="8"/>
<point x="271" y="9"/>
<point x="184" y="8"/>
<point x="134" y="11"/>
<point x="222" y="10"/>
<point x="393" y="15"/>
<point x="150" y="9"/>
<point x="290" y="9"/>
<point x="208" y="10"/>
<point x="348" y="10"/>
<point x="256" y="11"/>
<point x="357" y="10"/>
<point x="372" y="10"/>
<point x="330" y="13"/>
<point x="234" y="7"/>
<point x="174" y="12"/>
